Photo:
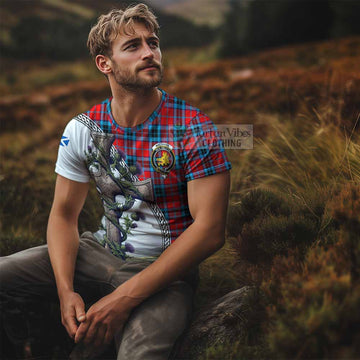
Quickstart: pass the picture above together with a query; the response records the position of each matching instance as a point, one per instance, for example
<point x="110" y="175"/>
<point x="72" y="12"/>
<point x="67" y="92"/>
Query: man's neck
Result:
<point x="131" y="108"/>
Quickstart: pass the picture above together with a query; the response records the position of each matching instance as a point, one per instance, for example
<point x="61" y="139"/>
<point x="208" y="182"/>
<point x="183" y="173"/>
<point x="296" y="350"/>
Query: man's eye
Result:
<point x="153" y="44"/>
<point x="131" y="47"/>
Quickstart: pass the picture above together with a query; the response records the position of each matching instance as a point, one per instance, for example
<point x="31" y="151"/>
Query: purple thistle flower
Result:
<point x="129" y="248"/>
<point x="89" y="149"/>
<point x="122" y="155"/>
<point x="138" y="169"/>
<point x="140" y="215"/>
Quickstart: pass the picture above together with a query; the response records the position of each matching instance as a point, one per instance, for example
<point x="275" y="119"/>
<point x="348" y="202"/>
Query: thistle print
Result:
<point x="114" y="181"/>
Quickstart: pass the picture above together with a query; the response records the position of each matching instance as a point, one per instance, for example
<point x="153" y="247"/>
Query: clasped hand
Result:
<point x="101" y="322"/>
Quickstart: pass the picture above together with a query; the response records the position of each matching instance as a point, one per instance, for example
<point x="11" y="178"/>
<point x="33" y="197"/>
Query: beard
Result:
<point x="132" y="80"/>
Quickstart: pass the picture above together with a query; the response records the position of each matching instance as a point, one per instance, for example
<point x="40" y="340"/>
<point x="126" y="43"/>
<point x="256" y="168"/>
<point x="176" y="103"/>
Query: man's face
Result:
<point x="136" y="59"/>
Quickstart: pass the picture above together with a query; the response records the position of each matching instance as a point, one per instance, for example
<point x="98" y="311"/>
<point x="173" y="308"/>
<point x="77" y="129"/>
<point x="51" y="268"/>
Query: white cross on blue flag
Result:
<point x="64" y="141"/>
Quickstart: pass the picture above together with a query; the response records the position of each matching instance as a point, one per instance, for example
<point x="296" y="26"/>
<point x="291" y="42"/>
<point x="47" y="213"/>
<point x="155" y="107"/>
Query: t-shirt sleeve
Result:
<point x="203" y="152"/>
<point x="72" y="153"/>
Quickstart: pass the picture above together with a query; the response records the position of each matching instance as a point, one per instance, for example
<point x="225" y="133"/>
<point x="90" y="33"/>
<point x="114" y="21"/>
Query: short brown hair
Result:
<point x="108" y="26"/>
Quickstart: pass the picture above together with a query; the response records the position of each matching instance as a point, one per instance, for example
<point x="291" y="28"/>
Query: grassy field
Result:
<point x="202" y="12"/>
<point x="294" y="218"/>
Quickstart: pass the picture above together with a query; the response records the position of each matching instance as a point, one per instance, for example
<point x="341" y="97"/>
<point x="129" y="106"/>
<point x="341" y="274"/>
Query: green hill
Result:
<point x="58" y="29"/>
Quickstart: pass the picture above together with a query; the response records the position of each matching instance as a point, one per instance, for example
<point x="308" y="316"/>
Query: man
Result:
<point x="164" y="188"/>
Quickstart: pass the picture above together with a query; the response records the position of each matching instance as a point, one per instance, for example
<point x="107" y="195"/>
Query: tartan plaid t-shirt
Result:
<point x="141" y="173"/>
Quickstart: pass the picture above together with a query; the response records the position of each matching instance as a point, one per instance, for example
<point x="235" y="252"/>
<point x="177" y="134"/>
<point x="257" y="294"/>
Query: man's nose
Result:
<point x="147" y="52"/>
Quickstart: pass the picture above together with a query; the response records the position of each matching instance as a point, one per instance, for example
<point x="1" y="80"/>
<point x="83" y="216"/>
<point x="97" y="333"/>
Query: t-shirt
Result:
<point x="141" y="173"/>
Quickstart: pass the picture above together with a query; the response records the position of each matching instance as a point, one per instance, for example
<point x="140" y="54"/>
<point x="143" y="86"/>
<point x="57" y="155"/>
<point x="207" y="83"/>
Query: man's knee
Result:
<point x="7" y="268"/>
<point x="26" y="269"/>
<point x="157" y="323"/>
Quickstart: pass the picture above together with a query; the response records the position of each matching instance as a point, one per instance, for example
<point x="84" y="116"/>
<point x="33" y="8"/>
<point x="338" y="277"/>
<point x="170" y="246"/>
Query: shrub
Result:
<point x="256" y="203"/>
<point x="264" y="238"/>
<point x="314" y="312"/>
<point x="267" y="224"/>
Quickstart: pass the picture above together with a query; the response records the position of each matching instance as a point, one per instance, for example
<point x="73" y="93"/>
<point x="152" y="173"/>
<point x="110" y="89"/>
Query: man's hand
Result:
<point x="104" y="319"/>
<point x="72" y="312"/>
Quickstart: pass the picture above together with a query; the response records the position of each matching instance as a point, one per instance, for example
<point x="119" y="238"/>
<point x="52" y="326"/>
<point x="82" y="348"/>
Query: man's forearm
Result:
<point x="195" y="244"/>
<point x="62" y="232"/>
<point x="63" y="244"/>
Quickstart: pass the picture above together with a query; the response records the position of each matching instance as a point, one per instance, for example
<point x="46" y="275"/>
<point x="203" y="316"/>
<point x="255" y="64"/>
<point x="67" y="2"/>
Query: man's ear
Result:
<point x="103" y="63"/>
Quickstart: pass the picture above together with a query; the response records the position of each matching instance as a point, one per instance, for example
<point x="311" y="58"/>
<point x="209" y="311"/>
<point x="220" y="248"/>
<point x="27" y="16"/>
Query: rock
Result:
<point x="227" y="319"/>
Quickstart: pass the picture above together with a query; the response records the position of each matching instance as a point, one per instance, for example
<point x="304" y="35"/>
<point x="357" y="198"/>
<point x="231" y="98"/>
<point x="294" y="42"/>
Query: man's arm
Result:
<point x="63" y="243"/>
<point x="208" y="200"/>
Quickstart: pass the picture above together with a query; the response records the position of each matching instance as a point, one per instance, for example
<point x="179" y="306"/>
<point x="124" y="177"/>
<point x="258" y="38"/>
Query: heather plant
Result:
<point x="265" y="238"/>
<point x="299" y="228"/>
<point x="346" y="210"/>
<point x="313" y="308"/>
<point x="267" y="224"/>
<point x="256" y="203"/>
<point x="25" y="209"/>
<point x="14" y="240"/>
<point x="234" y="351"/>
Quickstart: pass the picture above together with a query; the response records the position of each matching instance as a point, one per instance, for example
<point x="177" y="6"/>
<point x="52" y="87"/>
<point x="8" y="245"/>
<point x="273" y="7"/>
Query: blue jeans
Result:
<point x="152" y="328"/>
